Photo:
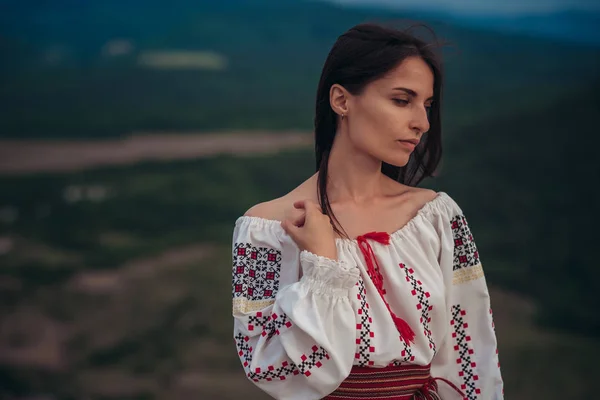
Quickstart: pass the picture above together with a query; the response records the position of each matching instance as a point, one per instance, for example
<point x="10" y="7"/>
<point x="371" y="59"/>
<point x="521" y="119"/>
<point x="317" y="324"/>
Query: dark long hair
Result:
<point x="361" y="55"/>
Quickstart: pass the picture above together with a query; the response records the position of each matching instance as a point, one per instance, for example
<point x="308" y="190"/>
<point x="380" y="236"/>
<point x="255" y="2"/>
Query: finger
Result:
<point x="299" y="220"/>
<point x="300" y="204"/>
<point x="313" y="208"/>
<point x="296" y="220"/>
<point x="290" y="229"/>
<point x="307" y="204"/>
<point x="292" y="213"/>
<point x="295" y="217"/>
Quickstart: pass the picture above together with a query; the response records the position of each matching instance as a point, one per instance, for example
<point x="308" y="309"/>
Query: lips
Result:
<point x="413" y="141"/>
<point x="408" y="144"/>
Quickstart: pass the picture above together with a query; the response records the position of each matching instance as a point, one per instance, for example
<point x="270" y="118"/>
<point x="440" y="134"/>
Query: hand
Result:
<point x="311" y="229"/>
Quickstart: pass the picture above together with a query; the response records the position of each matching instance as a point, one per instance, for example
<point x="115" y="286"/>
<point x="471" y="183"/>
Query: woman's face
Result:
<point x="392" y="111"/>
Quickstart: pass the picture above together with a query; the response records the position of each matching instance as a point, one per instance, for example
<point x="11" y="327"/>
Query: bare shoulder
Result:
<point x="272" y="209"/>
<point x="415" y="199"/>
<point x="275" y="209"/>
<point x="422" y="196"/>
<point x="404" y="194"/>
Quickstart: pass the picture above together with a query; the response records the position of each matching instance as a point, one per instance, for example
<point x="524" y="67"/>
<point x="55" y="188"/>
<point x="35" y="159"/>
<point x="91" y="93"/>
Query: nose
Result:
<point x="420" y="120"/>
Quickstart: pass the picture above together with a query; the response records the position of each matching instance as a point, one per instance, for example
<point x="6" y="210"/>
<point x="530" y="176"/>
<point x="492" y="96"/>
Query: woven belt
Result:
<point x="404" y="382"/>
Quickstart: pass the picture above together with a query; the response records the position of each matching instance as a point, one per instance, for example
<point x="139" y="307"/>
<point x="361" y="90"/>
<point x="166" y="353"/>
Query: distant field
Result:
<point x="115" y="280"/>
<point x="28" y="156"/>
<point x="126" y="295"/>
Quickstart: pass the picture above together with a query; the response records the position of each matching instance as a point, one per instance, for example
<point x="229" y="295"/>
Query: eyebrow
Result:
<point x="410" y="92"/>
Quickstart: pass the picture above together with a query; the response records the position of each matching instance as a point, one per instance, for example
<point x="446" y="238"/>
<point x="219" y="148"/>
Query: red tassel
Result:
<point x="405" y="330"/>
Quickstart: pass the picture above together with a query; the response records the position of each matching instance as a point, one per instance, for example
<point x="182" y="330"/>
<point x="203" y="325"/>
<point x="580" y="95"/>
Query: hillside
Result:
<point x="108" y="68"/>
<point x="115" y="281"/>
<point x="530" y="186"/>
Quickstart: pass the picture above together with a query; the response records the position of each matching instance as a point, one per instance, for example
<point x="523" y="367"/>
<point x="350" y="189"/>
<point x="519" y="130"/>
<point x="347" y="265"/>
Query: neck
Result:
<point x="354" y="176"/>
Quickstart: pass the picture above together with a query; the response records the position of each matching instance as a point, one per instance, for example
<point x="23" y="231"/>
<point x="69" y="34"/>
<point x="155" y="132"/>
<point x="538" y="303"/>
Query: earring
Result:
<point x="343" y="115"/>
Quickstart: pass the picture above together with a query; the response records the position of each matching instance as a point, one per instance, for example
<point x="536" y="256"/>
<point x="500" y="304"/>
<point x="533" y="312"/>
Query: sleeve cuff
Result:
<point x="326" y="275"/>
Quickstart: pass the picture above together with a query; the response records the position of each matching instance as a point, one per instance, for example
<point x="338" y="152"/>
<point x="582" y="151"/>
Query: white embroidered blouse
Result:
<point x="298" y="338"/>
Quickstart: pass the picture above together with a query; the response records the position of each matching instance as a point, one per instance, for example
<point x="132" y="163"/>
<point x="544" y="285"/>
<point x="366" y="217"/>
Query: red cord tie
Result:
<point x="431" y="386"/>
<point x="406" y="333"/>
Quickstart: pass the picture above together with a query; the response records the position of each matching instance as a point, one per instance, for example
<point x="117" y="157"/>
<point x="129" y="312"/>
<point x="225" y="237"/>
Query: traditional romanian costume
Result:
<point x="404" y="315"/>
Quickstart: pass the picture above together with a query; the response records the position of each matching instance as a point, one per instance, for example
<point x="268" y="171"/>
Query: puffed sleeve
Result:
<point x="295" y="336"/>
<point x="469" y="356"/>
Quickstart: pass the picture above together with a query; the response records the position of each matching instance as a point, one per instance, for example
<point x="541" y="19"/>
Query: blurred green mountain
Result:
<point x="107" y="68"/>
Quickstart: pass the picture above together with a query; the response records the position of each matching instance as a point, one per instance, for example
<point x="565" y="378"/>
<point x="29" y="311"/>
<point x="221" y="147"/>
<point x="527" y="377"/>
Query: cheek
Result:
<point x="379" y="124"/>
<point x="375" y="126"/>
<point x="389" y="117"/>
<point x="380" y="112"/>
<point x="375" y="114"/>
<point x="364" y="132"/>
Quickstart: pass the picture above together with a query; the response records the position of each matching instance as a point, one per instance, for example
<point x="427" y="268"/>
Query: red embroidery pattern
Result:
<point x="276" y="324"/>
<point x="258" y="321"/>
<point x="312" y="360"/>
<point x="256" y="271"/>
<point x="406" y="354"/>
<point x="364" y="334"/>
<point x="465" y="250"/>
<point x="270" y="324"/>
<point x="464" y="352"/>
<point x="423" y="304"/>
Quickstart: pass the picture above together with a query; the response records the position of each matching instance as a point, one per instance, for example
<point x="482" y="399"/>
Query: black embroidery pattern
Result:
<point x="423" y="304"/>
<point x="282" y="371"/>
<point x="364" y="334"/>
<point x="256" y="271"/>
<point x="465" y="250"/>
<point x="464" y="351"/>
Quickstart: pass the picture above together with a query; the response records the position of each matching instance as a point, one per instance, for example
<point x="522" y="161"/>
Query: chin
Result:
<point x="397" y="161"/>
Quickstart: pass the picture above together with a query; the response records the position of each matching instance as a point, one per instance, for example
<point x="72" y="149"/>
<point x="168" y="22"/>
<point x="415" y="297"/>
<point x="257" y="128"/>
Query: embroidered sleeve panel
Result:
<point x="256" y="277"/>
<point x="467" y="265"/>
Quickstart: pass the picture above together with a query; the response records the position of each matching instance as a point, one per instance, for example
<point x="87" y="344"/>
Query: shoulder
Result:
<point x="421" y="196"/>
<point x="412" y="197"/>
<point x="436" y="204"/>
<point x="276" y="209"/>
<point x="404" y="193"/>
<point x="258" y="227"/>
<point x="272" y="209"/>
<point x="261" y="223"/>
<point x="430" y="203"/>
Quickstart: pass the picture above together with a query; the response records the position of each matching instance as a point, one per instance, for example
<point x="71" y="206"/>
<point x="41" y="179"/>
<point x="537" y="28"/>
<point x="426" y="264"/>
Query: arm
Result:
<point x="295" y="338"/>
<point x="469" y="355"/>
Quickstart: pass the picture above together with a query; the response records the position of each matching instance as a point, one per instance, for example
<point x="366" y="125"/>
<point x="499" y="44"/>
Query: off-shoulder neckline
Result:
<point x="421" y="212"/>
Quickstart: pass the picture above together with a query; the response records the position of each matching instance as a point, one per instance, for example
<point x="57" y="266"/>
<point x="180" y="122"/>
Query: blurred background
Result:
<point x="133" y="134"/>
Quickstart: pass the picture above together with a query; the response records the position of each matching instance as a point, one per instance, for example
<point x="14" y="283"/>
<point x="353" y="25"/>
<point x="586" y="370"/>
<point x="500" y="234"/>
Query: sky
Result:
<point x="485" y="6"/>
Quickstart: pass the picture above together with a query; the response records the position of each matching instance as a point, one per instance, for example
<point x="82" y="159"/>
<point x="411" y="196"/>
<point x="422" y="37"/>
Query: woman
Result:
<point x="358" y="284"/>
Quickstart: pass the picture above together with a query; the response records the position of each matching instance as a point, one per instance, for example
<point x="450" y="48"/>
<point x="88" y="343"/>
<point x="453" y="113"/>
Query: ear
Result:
<point x="338" y="99"/>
